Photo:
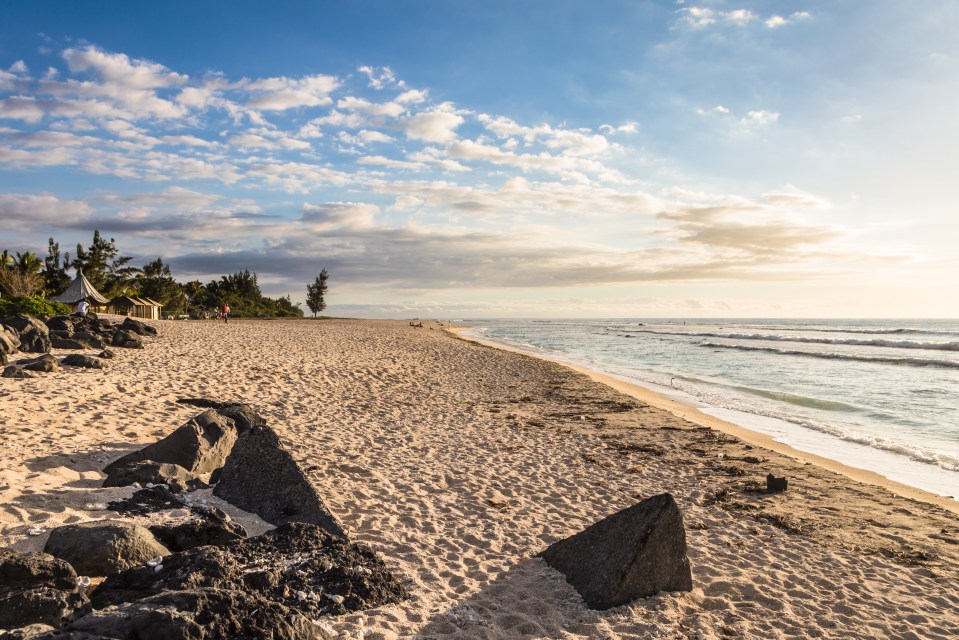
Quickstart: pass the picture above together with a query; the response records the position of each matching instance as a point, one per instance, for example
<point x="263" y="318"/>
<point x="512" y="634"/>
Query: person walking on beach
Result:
<point x="225" y="312"/>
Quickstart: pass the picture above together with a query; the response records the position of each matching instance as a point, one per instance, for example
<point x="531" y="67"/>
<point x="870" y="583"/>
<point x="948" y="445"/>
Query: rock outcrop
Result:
<point x="631" y="554"/>
<point x="261" y="476"/>
<point x="104" y="547"/>
<point x="199" y="446"/>
<point x="36" y="588"/>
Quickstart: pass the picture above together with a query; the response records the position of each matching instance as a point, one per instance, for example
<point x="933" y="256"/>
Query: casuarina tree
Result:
<point x="315" y="293"/>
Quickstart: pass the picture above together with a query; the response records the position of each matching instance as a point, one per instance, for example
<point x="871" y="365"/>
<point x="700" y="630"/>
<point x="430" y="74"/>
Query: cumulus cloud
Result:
<point x="118" y="69"/>
<point x="438" y="124"/>
<point x="281" y="93"/>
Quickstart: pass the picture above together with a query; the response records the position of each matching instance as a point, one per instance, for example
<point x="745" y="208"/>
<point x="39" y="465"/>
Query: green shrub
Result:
<point x="32" y="306"/>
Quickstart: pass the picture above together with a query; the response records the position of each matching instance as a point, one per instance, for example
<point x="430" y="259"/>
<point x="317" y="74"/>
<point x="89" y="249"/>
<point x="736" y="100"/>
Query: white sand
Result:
<point x="459" y="463"/>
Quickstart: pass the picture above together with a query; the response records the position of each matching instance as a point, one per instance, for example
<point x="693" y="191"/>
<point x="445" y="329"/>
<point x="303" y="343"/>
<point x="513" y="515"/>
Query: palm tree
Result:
<point x="28" y="262"/>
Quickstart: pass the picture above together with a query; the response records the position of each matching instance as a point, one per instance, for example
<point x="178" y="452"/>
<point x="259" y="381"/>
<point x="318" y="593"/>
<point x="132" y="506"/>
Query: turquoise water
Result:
<point x="881" y="395"/>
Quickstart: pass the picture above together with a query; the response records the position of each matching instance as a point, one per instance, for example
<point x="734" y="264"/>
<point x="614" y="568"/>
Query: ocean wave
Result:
<point x="799" y="401"/>
<point x="893" y="344"/>
<point x="909" y="362"/>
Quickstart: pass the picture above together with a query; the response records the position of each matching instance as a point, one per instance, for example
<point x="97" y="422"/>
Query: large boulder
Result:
<point x="16" y="372"/>
<point x="138" y="327"/>
<point x="126" y="340"/>
<point x="62" y="323"/>
<point x="44" y="364"/>
<point x="631" y="554"/>
<point x="199" y="446"/>
<point x="94" y="340"/>
<point x="81" y="360"/>
<point x="261" y="476"/>
<point x="202" y="614"/>
<point x="298" y="565"/>
<point x="243" y="415"/>
<point x="146" y="472"/>
<point x="9" y="340"/>
<point x="33" y="334"/>
<point x="36" y="588"/>
<point x="104" y="547"/>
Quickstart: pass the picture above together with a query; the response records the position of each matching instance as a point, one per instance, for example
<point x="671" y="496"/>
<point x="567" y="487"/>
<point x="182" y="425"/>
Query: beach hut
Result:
<point x="144" y="308"/>
<point x="81" y="289"/>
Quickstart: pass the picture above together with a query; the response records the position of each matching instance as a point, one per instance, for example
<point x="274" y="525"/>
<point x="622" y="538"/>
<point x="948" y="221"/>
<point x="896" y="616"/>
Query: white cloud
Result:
<point x="281" y="93"/>
<point x="329" y="215"/>
<point x="117" y="68"/>
<point x="388" y="162"/>
<point x="701" y="17"/>
<point x="20" y="212"/>
<point x="436" y="125"/>
<point x="413" y="96"/>
<point x="626" y="127"/>
<point x="19" y="67"/>
<point x="761" y="117"/>
<point x="381" y="77"/>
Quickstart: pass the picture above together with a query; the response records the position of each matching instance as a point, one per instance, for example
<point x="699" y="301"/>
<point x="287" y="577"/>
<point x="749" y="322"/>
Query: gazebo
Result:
<point x="81" y="289"/>
<point x="137" y="307"/>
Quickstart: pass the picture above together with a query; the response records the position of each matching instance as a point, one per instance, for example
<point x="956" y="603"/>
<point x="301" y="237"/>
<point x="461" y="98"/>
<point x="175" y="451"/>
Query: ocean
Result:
<point x="881" y="395"/>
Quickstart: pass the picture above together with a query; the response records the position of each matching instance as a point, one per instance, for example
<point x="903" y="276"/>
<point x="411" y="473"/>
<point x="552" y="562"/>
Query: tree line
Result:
<point x="27" y="276"/>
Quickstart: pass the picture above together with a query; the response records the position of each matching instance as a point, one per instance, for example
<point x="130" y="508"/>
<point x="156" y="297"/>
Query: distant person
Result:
<point x="83" y="307"/>
<point x="225" y="312"/>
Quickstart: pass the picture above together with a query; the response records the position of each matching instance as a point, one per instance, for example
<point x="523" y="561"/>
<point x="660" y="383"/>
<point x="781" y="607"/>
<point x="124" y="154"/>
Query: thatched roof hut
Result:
<point x="81" y="289"/>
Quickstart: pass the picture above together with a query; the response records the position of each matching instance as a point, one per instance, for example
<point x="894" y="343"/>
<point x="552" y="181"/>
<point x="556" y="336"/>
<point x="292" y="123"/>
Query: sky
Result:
<point x="495" y="158"/>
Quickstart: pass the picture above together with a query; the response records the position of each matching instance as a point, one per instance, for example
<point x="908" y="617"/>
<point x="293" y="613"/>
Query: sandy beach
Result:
<point x="459" y="463"/>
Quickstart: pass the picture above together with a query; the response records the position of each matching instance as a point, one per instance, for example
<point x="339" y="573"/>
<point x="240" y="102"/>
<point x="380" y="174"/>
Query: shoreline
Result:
<point x="749" y="436"/>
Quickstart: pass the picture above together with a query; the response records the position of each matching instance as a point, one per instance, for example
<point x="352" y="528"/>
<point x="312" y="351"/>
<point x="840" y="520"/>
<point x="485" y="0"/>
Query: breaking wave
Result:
<point x="909" y="362"/>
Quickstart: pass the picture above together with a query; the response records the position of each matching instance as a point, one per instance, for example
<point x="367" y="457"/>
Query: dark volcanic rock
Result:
<point x="776" y="484"/>
<point x="81" y="360"/>
<point x="243" y="415"/>
<point x="46" y="632"/>
<point x="140" y="328"/>
<point x="69" y="343"/>
<point x="33" y="334"/>
<point x="37" y="588"/>
<point x="261" y="476"/>
<point x="106" y="354"/>
<point x="145" y="472"/>
<point x="126" y="340"/>
<point x="3" y="359"/>
<point x="298" y="565"/>
<point x="147" y="501"/>
<point x="92" y="339"/>
<point x="62" y="323"/>
<point x="210" y="528"/>
<point x="44" y="364"/>
<point x="202" y="614"/>
<point x="60" y="334"/>
<point x="631" y="554"/>
<point x="199" y="446"/>
<point x="9" y="340"/>
<point x="104" y="547"/>
<point x="16" y="372"/>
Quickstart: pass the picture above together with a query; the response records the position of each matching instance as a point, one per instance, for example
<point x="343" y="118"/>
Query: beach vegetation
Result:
<point x="35" y="306"/>
<point x="107" y="270"/>
<point x="25" y="278"/>
<point x="19" y="274"/>
<point x="315" y="293"/>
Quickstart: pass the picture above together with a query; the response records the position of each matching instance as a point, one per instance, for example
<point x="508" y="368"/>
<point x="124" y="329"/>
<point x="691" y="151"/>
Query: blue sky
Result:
<point x="469" y="159"/>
